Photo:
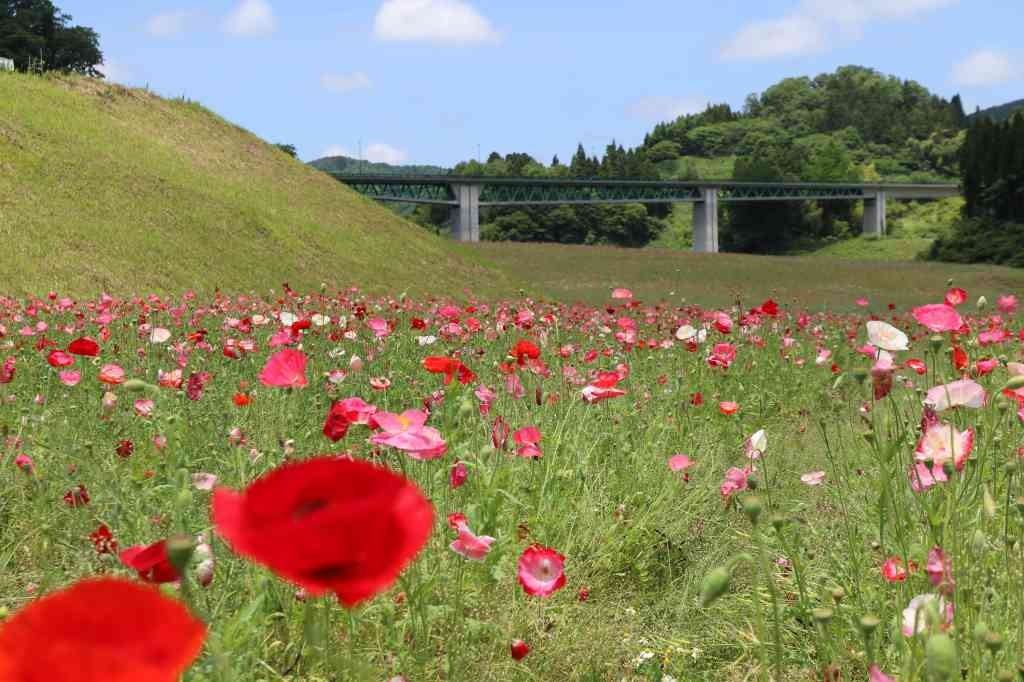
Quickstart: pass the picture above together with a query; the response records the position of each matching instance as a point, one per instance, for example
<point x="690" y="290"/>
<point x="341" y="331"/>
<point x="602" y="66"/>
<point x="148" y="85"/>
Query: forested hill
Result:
<point x="348" y="166"/>
<point x="1000" y="113"/>
<point x="887" y="128"/>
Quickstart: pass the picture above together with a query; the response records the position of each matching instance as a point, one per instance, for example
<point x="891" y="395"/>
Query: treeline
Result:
<point x="853" y="125"/>
<point x="38" y="36"/>
<point x="992" y="176"/>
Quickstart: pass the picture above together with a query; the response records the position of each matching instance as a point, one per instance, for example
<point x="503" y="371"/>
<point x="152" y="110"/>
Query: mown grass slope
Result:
<point x="109" y="188"/>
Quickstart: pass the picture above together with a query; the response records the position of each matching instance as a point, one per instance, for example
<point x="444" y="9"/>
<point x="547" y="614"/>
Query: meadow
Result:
<point x="333" y="485"/>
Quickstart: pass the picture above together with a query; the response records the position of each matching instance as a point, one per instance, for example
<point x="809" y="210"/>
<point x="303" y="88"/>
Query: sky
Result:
<point x="439" y="81"/>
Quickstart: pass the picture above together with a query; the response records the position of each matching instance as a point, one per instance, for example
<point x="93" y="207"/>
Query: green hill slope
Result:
<point x="999" y="113"/>
<point x="109" y="188"/>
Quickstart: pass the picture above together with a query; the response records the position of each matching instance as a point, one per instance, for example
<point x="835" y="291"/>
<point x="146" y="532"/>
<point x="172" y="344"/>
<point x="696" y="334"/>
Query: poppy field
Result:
<point x="338" y="486"/>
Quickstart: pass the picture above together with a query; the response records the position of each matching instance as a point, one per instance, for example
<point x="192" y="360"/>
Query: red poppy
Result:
<point x="337" y="422"/>
<point x="519" y="649"/>
<point x="285" y="369"/>
<point x="458" y="475"/>
<point x="328" y="525"/>
<point x="439" y="364"/>
<point x="728" y="407"/>
<point x="103" y="540"/>
<point x="960" y="360"/>
<point x="124" y="448"/>
<point x="524" y="350"/>
<point x="241" y="400"/>
<point x="151" y="562"/>
<point x="196" y="383"/>
<point x="100" y="629"/>
<point x="77" y="496"/>
<point x="84" y="346"/>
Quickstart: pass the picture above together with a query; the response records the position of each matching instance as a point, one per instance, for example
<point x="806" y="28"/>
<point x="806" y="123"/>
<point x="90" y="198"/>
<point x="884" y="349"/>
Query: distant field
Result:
<point x="587" y="273"/>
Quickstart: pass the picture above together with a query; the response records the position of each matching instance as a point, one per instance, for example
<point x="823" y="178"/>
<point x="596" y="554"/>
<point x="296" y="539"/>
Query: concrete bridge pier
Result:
<point x="705" y="222"/>
<point x="874" y="214"/>
<point x="465" y="217"/>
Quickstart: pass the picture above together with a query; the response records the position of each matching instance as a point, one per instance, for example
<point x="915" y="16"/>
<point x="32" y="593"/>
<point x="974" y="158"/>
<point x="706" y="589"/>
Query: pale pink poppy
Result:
<point x="756" y="445"/>
<point x="914" y="621"/>
<point x="474" y="547"/>
<point x="284" y="337"/>
<point x="70" y="377"/>
<point x="923" y="477"/>
<point x="355" y="364"/>
<point x="380" y="383"/>
<point x="159" y="335"/>
<point x="111" y="374"/>
<point x="862" y="302"/>
<point x="887" y="337"/>
<point x="940" y="570"/>
<point x="514" y="387"/>
<point x="620" y="293"/>
<point x="964" y="392"/>
<point x="407" y="432"/>
<point x="938" y="317"/>
<point x="144" y="407"/>
<point x="541" y="571"/>
<point x="813" y="478"/>
<point x="356" y="410"/>
<point x="285" y="369"/>
<point x="823" y="356"/>
<point x="1015" y="368"/>
<point x="1007" y="304"/>
<point x="486" y="396"/>
<point x="202" y="480"/>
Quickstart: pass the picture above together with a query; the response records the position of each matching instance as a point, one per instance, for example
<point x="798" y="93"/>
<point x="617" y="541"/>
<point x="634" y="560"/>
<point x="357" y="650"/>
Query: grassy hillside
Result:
<point x="999" y="113"/>
<point x="108" y="188"/>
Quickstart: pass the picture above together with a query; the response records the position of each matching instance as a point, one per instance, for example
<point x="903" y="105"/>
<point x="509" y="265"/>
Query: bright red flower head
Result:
<point x="84" y="346"/>
<point x="100" y="630"/>
<point x="519" y="649"/>
<point x="328" y="525"/>
<point x="285" y="369"/>
<point x="524" y="350"/>
<point x="58" y="358"/>
<point x="150" y="562"/>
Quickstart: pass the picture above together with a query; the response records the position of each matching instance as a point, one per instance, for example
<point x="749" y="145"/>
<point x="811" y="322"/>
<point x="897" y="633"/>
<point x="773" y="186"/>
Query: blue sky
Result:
<point x="430" y="81"/>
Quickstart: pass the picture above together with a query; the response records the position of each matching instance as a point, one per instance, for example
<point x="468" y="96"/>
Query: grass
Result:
<point x="109" y="188"/>
<point x="588" y="273"/>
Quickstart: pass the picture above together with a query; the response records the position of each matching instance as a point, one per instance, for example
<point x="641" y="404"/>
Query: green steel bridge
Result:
<point x="466" y="195"/>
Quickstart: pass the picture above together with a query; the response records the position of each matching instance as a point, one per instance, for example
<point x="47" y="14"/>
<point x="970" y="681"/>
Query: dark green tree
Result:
<point x="36" y="31"/>
<point x="288" y="149"/>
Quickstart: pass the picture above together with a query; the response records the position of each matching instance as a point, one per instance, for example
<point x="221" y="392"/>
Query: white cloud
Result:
<point x="660" y="108"/>
<point x="376" y="152"/>
<point x="250" y="18"/>
<point x="169" y="24"/>
<point x="815" y="26"/>
<point x="114" y="72"/>
<point x="346" y="82"/>
<point x="987" y="67"/>
<point x="450" y="22"/>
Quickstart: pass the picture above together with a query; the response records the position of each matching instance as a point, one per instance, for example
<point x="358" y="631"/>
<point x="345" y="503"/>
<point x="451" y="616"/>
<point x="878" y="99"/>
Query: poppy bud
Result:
<point x="138" y="386"/>
<point x="715" y="583"/>
<point x="868" y="622"/>
<point x="183" y="500"/>
<point x="993" y="642"/>
<point x="752" y="508"/>
<point x="989" y="503"/>
<point x="980" y="630"/>
<point x="179" y="551"/>
<point x="1015" y="382"/>
<point x="982" y="303"/>
<point x="978" y="542"/>
<point x="3" y="612"/>
<point x="838" y="594"/>
<point x="823" y="615"/>
<point x="940" y="658"/>
<point x="519" y="649"/>
<point x="465" y="407"/>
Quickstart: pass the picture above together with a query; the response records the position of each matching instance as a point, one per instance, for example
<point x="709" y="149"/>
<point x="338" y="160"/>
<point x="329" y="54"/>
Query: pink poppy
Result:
<point x="813" y="478"/>
<point x="111" y="374"/>
<point x="942" y="443"/>
<point x="541" y="571"/>
<point x="7" y="371"/>
<point x="285" y="369"/>
<point x="965" y="393"/>
<point x="923" y="477"/>
<point x="486" y="396"/>
<point x="722" y="355"/>
<point x="603" y="387"/>
<point x="58" y="358"/>
<point x="204" y="481"/>
<point x="940" y="571"/>
<point x="159" y="335"/>
<point x="955" y="297"/>
<point x="144" y="407"/>
<point x="471" y="546"/>
<point x="621" y="293"/>
<point x="527" y="439"/>
<point x="458" y="475"/>
<point x="875" y="674"/>
<point x="1007" y="304"/>
<point x="380" y="383"/>
<point x="679" y="462"/>
<point x="407" y="432"/>
<point x="893" y="570"/>
<point x="379" y="326"/>
<point x="917" y="365"/>
<point x="862" y="302"/>
<point x="735" y="481"/>
<point x="938" y="317"/>
<point x="70" y="377"/>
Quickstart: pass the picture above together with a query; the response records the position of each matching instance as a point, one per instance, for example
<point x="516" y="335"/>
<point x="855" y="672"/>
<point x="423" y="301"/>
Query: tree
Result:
<point x="956" y="106"/>
<point x="36" y="30"/>
<point x="288" y="149"/>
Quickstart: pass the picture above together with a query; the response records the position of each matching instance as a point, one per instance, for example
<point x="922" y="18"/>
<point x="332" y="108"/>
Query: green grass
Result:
<point x="108" y="188"/>
<point x="587" y="273"/>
